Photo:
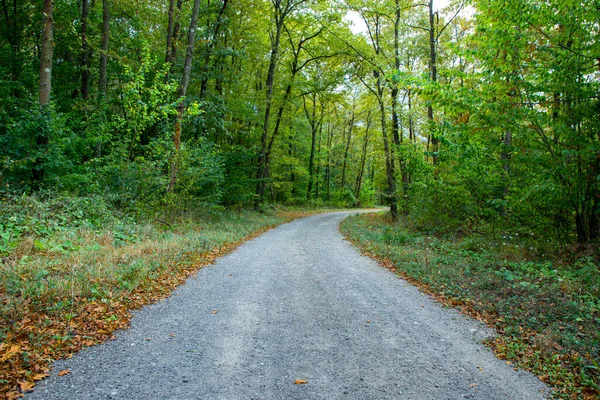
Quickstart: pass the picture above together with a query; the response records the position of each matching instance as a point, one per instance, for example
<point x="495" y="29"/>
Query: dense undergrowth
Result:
<point x="543" y="301"/>
<point x="71" y="268"/>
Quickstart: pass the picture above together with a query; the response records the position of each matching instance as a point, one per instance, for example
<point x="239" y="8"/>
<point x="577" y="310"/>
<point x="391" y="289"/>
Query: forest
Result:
<point x="462" y="117"/>
<point x="480" y="111"/>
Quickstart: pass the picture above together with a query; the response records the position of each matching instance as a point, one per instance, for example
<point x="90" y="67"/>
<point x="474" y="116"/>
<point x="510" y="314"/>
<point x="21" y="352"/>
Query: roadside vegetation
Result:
<point x="542" y="298"/>
<point x="72" y="268"/>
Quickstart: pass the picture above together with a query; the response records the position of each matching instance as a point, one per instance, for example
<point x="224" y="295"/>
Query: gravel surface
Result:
<point x="297" y="303"/>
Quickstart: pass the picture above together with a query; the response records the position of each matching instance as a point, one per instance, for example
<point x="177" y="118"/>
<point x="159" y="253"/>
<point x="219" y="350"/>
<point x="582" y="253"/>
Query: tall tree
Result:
<point x="86" y="51"/>
<point x="42" y="135"/>
<point x="103" y="76"/>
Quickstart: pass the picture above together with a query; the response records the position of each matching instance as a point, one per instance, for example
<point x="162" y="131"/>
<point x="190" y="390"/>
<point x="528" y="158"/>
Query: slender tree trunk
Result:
<point x="318" y="171"/>
<point x="185" y="80"/>
<point x="505" y="157"/>
<point x="262" y="170"/>
<point x="103" y="83"/>
<point x="328" y="165"/>
<point x="347" y="149"/>
<point x="363" y="159"/>
<point x="86" y="55"/>
<point x="46" y="55"/>
<point x="411" y="128"/>
<point x="397" y="133"/>
<point x="41" y="137"/>
<point x="433" y="74"/>
<point x="170" y="30"/>
<point x="313" y="143"/>
<point x="172" y="50"/>
<point x="389" y="156"/>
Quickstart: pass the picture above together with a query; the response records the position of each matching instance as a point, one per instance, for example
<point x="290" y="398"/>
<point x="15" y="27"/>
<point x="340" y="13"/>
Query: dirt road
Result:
<point x="298" y="303"/>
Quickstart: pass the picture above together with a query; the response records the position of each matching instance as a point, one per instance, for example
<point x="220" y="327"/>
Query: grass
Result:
<point x="71" y="269"/>
<point x="546" y="309"/>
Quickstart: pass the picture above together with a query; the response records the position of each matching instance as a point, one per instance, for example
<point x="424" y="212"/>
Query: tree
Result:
<point x="41" y="138"/>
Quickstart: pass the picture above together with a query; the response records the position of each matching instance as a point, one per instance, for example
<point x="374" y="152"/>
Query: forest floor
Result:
<point x="296" y="313"/>
<point x="70" y="274"/>
<point x="544" y="304"/>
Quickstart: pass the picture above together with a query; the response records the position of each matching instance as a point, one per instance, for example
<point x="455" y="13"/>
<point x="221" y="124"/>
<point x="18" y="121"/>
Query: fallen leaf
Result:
<point x="64" y="372"/>
<point x="215" y="312"/>
<point x="13" y="395"/>
<point x="473" y="385"/>
<point x="481" y="369"/>
<point x="10" y="352"/>
<point x="26" y="386"/>
<point x="39" y="377"/>
<point x="300" y="382"/>
<point x="148" y="339"/>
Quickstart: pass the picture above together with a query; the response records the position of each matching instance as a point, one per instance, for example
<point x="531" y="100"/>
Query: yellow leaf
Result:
<point x="300" y="382"/>
<point x="10" y="352"/>
<point x="64" y="372"/>
<point x="26" y="386"/>
<point x="39" y="377"/>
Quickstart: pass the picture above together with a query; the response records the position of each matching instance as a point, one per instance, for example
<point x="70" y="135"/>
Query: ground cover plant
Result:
<point x="543" y="302"/>
<point x="72" y="268"/>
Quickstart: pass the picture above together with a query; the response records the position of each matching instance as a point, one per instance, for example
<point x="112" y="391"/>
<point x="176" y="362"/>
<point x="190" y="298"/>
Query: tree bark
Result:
<point x="86" y="55"/>
<point x="363" y="160"/>
<point x="328" y="165"/>
<point x="397" y="134"/>
<point x="103" y="80"/>
<point x="347" y="148"/>
<point x="170" y="29"/>
<point x="46" y="55"/>
<point x="433" y="74"/>
<point x="389" y="156"/>
<point x="318" y="170"/>
<point x="172" y="47"/>
<point x="314" y="128"/>
<point x="45" y="90"/>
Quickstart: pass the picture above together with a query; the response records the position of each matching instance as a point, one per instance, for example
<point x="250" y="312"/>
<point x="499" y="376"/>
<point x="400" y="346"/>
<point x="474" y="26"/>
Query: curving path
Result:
<point x="296" y="303"/>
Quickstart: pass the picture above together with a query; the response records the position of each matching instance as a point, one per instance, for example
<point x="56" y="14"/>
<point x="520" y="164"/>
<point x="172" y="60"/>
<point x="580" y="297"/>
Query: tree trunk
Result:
<point x="170" y="30"/>
<point x="411" y="126"/>
<point x="347" y="149"/>
<point x="46" y="55"/>
<point x="361" y="170"/>
<point x="328" y="165"/>
<point x="104" y="48"/>
<point x="318" y="171"/>
<point x="86" y="55"/>
<point x="262" y="170"/>
<point x="433" y="75"/>
<point x="41" y="137"/>
<point x="172" y="50"/>
<point x="505" y="157"/>
<point x="185" y="80"/>
<point x="389" y="156"/>
<point x="313" y="143"/>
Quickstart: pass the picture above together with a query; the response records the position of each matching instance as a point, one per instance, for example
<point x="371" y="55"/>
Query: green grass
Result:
<point x="72" y="268"/>
<point x="545" y="309"/>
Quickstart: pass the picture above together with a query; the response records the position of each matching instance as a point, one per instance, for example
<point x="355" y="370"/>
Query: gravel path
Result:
<point x="296" y="303"/>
